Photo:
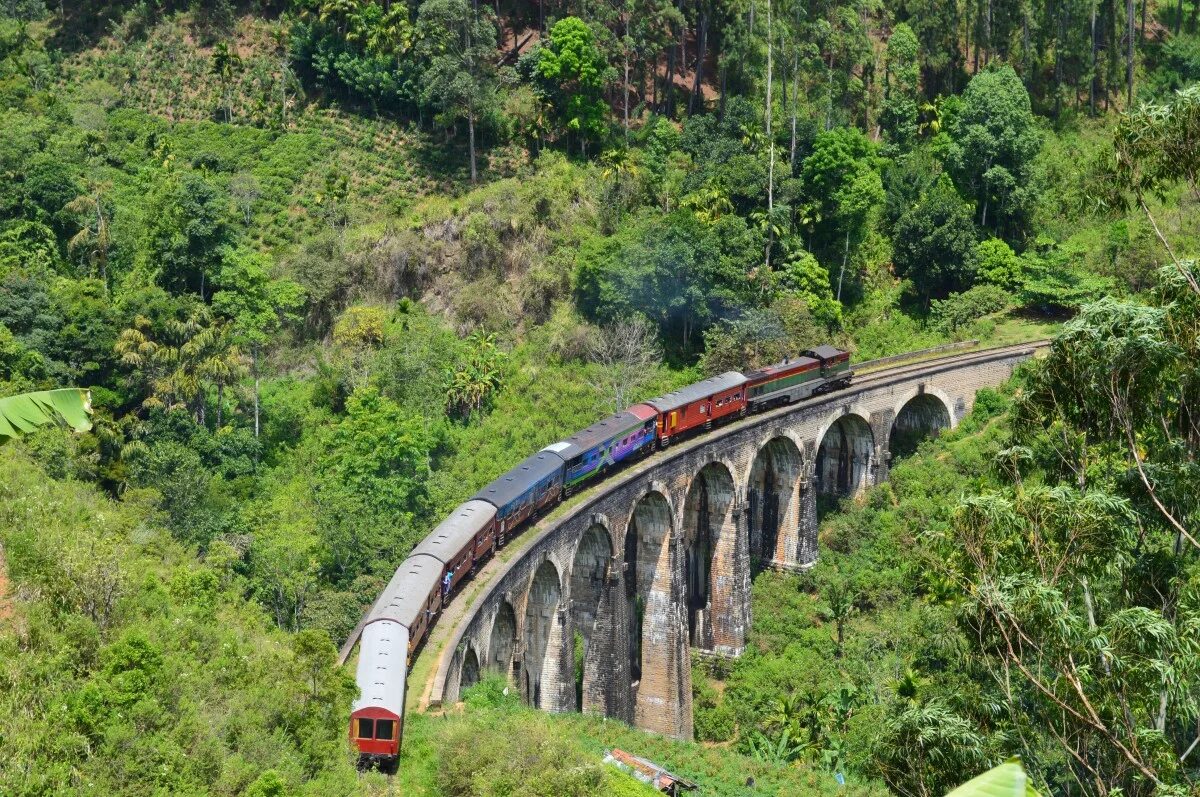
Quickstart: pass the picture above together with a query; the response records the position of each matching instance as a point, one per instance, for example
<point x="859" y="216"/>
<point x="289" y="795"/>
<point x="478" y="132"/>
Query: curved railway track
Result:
<point x="429" y="670"/>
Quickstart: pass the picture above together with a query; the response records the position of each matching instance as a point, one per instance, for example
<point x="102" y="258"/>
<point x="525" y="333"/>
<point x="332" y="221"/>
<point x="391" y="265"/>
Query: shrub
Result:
<point x="960" y="309"/>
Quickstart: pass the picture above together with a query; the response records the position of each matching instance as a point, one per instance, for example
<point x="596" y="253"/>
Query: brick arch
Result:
<point x="845" y="452"/>
<point x="924" y="413"/>
<point x="926" y="390"/>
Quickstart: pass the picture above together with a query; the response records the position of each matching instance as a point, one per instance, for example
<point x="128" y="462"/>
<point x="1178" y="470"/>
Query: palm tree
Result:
<point x="223" y="364"/>
<point x="93" y="240"/>
<point x="477" y="379"/>
<point x="179" y="361"/>
<point x="226" y="64"/>
<point x="841" y="599"/>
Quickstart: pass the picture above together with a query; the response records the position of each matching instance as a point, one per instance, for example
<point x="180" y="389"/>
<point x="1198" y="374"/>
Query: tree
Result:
<point x="802" y="276"/>
<point x="902" y="87"/>
<point x="625" y="354"/>
<point x="994" y="141"/>
<point x="246" y="191"/>
<point x="226" y="64"/>
<point x="1155" y="149"/>
<point x="997" y="264"/>
<point x="173" y="363"/>
<point x="477" y="379"/>
<point x="185" y="231"/>
<point x="93" y="240"/>
<point x="256" y="305"/>
<point x="933" y="243"/>
<point x="573" y="73"/>
<point x="673" y="270"/>
<point x="843" y="189"/>
<point x="459" y="42"/>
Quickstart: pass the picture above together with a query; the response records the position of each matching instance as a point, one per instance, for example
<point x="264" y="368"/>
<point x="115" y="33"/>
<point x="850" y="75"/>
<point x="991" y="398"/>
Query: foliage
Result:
<point x="933" y="242"/>
<point x="572" y="74"/>
<point x="994" y="141"/>
<point x="327" y="267"/>
<point x="24" y="412"/>
<point x="130" y="666"/>
<point x="961" y="309"/>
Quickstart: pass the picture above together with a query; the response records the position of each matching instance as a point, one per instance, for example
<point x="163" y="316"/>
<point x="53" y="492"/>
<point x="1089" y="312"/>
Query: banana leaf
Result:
<point x="1007" y="780"/>
<point x="23" y="413"/>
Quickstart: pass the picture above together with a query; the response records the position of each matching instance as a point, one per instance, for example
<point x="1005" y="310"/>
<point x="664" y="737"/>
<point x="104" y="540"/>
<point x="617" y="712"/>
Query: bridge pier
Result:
<point x="606" y="675"/>
<point x="663" y="694"/>
<point x="730" y="603"/>
<point x="806" y="549"/>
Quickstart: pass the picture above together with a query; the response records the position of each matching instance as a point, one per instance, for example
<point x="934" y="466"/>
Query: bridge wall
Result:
<point x="772" y="511"/>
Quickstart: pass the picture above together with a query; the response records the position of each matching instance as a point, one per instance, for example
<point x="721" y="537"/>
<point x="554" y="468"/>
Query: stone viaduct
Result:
<point x="661" y="559"/>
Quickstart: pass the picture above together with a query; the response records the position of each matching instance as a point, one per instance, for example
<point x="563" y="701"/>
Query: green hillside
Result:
<point x="328" y="266"/>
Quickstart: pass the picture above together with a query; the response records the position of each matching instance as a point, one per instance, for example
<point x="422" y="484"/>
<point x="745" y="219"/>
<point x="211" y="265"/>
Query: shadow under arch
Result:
<point x="503" y="640"/>
<point x="470" y="671"/>
<point x="922" y="417"/>
<point x="845" y="456"/>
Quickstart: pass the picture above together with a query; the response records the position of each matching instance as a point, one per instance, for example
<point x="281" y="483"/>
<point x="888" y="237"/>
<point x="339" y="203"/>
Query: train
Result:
<point x="428" y="579"/>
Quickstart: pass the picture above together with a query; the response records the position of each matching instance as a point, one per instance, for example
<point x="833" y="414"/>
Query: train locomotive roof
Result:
<point x="382" y="665"/>
<point x="404" y="597"/>
<point x="686" y="395"/>
<point x="456" y="532"/>
<point x="512" y="485"/>
<point x="826" y="352"/>
<point x="595" y="434"/>
<point x="793" y="364"/>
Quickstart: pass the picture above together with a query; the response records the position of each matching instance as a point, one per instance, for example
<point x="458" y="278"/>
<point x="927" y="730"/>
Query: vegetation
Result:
<point x="327" y="266"/>
<point x="1025" y="584"/>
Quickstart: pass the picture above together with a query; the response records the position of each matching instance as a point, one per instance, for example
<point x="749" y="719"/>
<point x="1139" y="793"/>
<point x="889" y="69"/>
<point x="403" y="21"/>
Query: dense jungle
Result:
<point x="328" y="266"/>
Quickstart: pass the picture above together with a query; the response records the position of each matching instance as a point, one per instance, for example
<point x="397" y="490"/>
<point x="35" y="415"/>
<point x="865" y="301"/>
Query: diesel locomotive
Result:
<point x="414" y="598"/>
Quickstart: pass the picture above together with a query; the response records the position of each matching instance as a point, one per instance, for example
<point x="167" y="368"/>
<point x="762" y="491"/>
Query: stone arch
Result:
<point x="710" y="540"/>
<point x="502" y="640"/>
<point x="774" y="501"/>
<point x="470" y="670"/>
<point x="922" y="416"/>
<point x="588" y="572"/>
<point x="845" y="456"/>
<point x="541" y="625"/>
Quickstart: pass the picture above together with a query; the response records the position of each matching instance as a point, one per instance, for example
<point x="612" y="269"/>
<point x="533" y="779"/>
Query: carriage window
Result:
<point x="383" y="729"/>
<point x="366" y="728"/>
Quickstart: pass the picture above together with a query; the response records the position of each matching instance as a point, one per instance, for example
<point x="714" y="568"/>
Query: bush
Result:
<point x="958" y="310"/>
<point x="997" y="264"/>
